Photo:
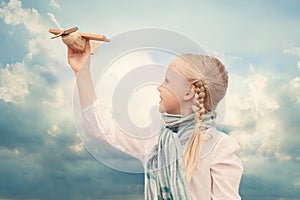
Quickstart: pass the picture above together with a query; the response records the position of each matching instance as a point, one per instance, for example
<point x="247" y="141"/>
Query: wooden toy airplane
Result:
<point x="76" y="40"/>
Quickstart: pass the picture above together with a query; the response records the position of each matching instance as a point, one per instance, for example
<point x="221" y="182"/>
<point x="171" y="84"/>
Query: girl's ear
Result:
<point x="190" y="93"/>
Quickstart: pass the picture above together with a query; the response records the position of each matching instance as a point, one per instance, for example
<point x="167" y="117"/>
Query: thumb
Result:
<point x="87" y="49"/>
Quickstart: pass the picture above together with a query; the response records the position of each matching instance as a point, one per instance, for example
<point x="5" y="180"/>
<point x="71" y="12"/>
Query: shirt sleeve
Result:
<point x="226" y="170"/>
<point x="99" y="122"/>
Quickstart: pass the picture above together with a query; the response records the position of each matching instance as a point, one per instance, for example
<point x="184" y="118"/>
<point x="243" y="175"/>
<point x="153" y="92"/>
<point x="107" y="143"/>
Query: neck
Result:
<point x="187" y="109"/>
<point x="183" y="111"/>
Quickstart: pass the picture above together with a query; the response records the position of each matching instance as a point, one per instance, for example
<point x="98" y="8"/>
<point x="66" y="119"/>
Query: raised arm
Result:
<point x="80" y="63"/>
<point x="97" y="118"/>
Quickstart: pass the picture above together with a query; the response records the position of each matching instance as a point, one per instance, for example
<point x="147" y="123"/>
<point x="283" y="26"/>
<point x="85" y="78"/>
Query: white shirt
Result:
<point x="219" y="170"/>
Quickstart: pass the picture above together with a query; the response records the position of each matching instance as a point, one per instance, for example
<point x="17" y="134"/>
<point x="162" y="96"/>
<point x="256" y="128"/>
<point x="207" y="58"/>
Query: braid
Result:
<point x="210" y="69"/>
<point x="192" y="152"/>
<point x="200" y="96"/>
<point x="210" y="79"/>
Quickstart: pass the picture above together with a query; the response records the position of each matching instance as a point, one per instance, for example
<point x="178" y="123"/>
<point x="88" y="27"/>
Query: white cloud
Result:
<point x="13" y="13"/>
<point x="14" y="82"/>
<point x="140" y="105"/>
<point x="298" y="64"/>
<point x="17" y="77"/>
<point x="255" y="107"/>
<point x="76" y="148"/>
<point x="130" y="61"/>
<point x="292" y="51"/>
<point x="295" y="83"/>
<point x="54" y="4"/>
<point x="258" y="98"/>
<point x="54" y="131"/>
<point x="117" y="70"/>
<point x="295" y="89"/>
<point x="42" y="70"/>
<point x="256" y="123"/>
<point x="58" y="98"/>
<point x="36" y="24"/>
<point x="143" y="97"/>
<point x="54" y="20"/>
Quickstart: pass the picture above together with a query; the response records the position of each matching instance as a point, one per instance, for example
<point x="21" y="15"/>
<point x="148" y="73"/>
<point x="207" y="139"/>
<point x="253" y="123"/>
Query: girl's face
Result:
<point x="172" y="91"/>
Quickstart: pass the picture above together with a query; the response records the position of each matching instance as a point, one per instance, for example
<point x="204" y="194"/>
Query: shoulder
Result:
<point x="227" y="143"/>
<point x="217" y="141"/>
<point x="226" y="151"/>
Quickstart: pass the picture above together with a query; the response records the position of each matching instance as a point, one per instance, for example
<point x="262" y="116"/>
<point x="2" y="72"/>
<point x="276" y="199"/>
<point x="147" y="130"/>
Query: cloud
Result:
<point x="295" y="83"/>
<point x="122" y="68"/>
<point x="261" y="113"/>
<point x="69" y="174"/>
<point x="295" y="51"/>
<point x="58" y="100"/>
<point x="256" y="119"/>
<point x="261" y="107"/>
<point x="15" y="80"/>
<point x="77" y="148"/>
<point x="292" y="51"/>
<point x="54" y="20"/>
<point x="36" y="159"/>
<point x="13" y="13"/>
<point x="39" y="149"/>
<point x="54" y="4"/>
<point x="250" y="115"/>
<point x="54" y="131"/>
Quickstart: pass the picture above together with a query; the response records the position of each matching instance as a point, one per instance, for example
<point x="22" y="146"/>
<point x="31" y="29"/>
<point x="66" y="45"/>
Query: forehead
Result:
<point x="177" y="63"/>
<point x="174" y="68"/>
<point x="173" y="74"/>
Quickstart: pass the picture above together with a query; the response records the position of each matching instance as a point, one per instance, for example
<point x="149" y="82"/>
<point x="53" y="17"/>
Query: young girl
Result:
<point x="189" y="158"/>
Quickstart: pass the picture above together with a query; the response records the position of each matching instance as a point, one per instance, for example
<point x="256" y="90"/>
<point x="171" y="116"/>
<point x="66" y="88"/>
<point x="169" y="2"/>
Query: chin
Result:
<point x="161" y="109"/>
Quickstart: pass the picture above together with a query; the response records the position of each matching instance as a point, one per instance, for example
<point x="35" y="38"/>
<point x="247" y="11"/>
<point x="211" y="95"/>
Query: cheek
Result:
<point x="177" y="88"/>
<point x="171" y="98"/>
<point x="169" y="102"/>
<point x="167" y="92"/>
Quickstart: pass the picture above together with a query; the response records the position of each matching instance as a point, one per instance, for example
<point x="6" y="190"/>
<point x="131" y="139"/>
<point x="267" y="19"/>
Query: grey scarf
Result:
<point x="165" y="167"/>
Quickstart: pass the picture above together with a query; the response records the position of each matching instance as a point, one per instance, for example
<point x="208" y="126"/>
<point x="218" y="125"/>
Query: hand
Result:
<point x="78" y="60"/>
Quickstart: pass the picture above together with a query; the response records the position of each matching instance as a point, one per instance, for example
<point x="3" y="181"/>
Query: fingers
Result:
<point x="70" y="52"/>
<point x="87" y="47"/>
<point x="73" y="52"/>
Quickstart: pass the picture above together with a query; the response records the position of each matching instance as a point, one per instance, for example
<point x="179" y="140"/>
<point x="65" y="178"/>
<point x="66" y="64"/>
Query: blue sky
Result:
<point x="41" y="155"/>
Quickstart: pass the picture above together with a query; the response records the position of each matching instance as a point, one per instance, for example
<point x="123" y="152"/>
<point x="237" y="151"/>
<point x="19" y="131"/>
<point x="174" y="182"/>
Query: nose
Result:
<point x="159" y="88"/>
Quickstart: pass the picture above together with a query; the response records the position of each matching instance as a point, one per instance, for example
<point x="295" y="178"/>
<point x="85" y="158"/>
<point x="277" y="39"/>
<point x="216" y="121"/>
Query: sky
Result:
<point x="42" y="156"/>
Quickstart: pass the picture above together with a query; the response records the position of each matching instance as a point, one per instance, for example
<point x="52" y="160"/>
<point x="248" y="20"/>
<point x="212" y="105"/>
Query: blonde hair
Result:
<point x="210" y="79"/>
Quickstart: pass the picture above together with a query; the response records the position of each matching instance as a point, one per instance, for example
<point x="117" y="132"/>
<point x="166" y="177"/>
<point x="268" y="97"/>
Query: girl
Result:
<point x="189" y="158"/>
